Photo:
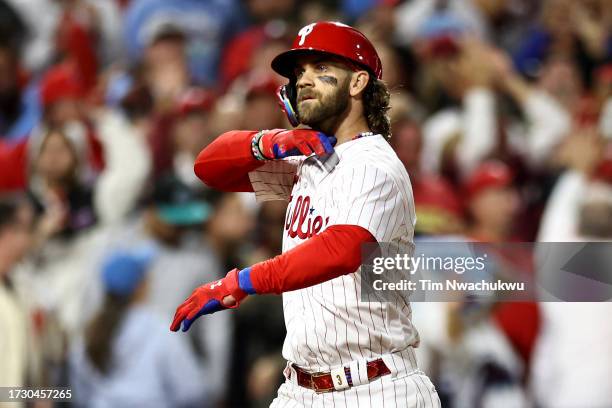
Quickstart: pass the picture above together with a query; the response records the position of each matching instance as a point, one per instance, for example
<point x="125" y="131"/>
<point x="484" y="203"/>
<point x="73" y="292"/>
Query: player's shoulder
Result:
<point x="372" y="153"/>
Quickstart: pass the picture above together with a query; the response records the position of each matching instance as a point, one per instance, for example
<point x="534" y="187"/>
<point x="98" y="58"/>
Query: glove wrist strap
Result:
<point x="234" y="288"/>
<point x="256" y="146"/>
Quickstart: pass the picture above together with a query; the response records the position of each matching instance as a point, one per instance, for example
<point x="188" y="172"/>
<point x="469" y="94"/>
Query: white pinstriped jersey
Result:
<point x="327" y="324"/>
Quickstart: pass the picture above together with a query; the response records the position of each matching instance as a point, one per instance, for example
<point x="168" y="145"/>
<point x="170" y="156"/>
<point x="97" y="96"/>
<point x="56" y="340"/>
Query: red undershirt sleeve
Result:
<point x="225" y="163"/>
<point x="334" y="252"/>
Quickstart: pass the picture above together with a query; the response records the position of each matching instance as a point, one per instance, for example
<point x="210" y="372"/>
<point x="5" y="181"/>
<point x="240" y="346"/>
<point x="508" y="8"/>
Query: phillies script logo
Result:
<point x="300" y="222"/>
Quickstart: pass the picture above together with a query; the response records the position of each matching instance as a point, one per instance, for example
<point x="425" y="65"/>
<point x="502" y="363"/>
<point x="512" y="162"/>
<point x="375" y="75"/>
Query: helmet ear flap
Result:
<point x="287" y="97"/>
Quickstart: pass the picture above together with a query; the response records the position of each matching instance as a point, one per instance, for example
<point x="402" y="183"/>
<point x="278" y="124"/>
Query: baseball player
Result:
<point x="340" y="350"/>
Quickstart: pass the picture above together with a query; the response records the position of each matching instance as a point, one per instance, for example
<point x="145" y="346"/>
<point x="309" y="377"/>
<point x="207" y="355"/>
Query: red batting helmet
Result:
<point x="326" y="37"/>
<point x="331" y="38"/>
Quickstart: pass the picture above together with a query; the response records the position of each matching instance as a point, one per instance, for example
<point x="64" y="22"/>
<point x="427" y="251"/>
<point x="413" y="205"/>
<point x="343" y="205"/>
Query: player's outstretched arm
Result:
<point x="334" y="252"/>
<point x="227" y="161"/>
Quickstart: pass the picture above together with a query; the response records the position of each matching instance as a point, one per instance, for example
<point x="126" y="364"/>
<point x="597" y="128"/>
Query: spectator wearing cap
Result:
<point x="474" y="16"/>
<point x="61" y="94"/>
<point x="207" y="25"/>
<point x="438" y="207"/>
<point x="165" y="66"/>
<point x="253" y="49"/>
<point x="156" y="80"/>
<point x="127" y="356"/>
<point x="191" y="132"/>
<point x="173" y="220"/>
<point x="64" y="101"/>
<point x="261" y="106"/>
<point x="493" y="202"/>
<point x="251" y="98"/>
<point x="180" y="134"/>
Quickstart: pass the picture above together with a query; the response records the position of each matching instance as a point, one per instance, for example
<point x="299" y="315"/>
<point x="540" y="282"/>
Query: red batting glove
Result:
<point x="208" y="299"/>
<point x="280" y="143"/>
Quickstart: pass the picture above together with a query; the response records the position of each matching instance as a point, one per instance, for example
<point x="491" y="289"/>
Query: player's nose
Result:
<point x="306" y="78"/>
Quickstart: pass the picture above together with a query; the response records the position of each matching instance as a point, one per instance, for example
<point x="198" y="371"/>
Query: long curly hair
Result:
<point x="376" y="98"/>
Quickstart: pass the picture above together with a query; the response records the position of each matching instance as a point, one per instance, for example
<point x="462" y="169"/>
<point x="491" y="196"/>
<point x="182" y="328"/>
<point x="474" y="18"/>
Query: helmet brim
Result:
<point x="284" y="63"/>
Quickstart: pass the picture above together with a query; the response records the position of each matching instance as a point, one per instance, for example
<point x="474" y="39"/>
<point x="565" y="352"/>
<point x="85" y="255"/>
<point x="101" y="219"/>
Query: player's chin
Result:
<point x="307" y="114"/>
<point x="306" y="105"/>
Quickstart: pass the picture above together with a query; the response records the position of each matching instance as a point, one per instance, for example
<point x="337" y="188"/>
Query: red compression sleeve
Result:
<point x="334" y="252"/>
<point x="225" y="163"/>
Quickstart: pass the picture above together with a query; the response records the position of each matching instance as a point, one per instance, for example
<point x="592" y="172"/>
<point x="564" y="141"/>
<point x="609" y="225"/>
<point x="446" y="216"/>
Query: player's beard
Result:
<point x="324" y="108"/>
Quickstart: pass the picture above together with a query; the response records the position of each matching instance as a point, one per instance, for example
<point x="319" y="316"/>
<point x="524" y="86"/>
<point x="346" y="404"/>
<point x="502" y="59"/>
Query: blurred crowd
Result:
<point x="501" y="113"/>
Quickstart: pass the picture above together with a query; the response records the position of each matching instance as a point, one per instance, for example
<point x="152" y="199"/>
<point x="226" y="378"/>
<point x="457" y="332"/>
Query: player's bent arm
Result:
<point x="334" y="252"/>
<point x="227" y="161"/>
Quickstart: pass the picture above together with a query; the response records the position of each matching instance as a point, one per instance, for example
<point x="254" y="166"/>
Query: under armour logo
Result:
<point x="304" y="31"/>
<point x="215" y="284"/>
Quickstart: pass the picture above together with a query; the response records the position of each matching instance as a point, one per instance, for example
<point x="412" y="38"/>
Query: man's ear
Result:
<point x="359" y="81"/>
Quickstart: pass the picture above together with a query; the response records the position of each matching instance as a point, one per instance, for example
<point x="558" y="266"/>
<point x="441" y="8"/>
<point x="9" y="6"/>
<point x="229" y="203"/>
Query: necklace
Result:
<point x="363" y="134"/>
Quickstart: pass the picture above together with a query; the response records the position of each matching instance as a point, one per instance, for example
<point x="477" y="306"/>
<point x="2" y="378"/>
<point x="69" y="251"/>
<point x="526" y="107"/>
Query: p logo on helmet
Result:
<point x="304" y="31"/>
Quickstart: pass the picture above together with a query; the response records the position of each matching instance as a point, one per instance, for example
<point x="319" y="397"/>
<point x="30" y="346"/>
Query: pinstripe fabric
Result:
<point x="329" y="324"/>
<point x="274" y="180"/>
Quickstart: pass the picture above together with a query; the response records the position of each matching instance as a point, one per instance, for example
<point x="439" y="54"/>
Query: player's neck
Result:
<point x="349" y="128"/>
